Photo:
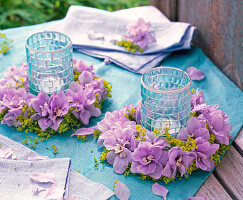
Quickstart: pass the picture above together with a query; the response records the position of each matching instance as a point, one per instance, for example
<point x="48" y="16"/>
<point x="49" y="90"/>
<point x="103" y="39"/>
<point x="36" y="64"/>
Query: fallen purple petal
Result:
<point x="43" y="178"/>
<point x="84" y="131"/>
<point x="159" y="190"/>
<point x="122" y="191"/>
<point x="195" y="73"/>
<point x="37" y="158"/>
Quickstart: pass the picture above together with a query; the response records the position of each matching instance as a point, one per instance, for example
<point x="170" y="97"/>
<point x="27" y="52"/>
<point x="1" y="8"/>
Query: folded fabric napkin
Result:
<point x="80" y="22"/>
<point x="21" y="178"/>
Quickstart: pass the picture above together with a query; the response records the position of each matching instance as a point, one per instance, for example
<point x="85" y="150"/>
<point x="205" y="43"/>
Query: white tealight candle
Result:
<point x="50" y="83"/>
<point x="172" y="124"/>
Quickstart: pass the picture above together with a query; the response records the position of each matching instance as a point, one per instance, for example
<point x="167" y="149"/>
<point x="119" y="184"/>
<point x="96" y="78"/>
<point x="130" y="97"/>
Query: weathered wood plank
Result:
<point x="212" y="189"/>
<point x="220" y="32"/>
<point x="168" y="7"/>
<point x="229" y="173"/>
<point x="238" y="142"/>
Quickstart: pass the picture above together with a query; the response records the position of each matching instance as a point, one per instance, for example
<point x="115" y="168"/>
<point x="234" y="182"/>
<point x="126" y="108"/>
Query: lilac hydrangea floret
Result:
<point x="195" y="128"/>
<point x="50" y="111"/>
<point x="149" y="159"/>
<point x="140" y="33"/>
<point x="178" y="161"/>
<point x="204" y="151"/>
<point x="120" y="143"/>
<point x="82" y="100"/>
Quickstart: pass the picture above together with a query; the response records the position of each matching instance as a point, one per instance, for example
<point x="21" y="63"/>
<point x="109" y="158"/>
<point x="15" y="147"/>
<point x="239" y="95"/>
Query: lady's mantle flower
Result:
<point x="178" y="160"/>
<point x="121" y="142"/>
<point x="149" y="159"/>
<point x="82" y="100"/>
<point x="204" y="151"/>
<point x="50" y="111"/>
<point x="139" y="33"/>
<point x="195" y="128"/>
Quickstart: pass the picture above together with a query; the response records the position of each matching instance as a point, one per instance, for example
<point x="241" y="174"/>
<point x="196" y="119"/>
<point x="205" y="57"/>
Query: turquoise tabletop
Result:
<point x="217" y="88"/>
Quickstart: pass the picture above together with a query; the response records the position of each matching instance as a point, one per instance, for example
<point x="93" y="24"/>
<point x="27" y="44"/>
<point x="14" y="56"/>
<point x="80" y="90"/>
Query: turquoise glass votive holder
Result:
<point x="50" y="62"/>
<point x="166" y="99"/>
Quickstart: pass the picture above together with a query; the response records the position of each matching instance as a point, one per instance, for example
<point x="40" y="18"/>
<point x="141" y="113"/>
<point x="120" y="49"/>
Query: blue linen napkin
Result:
<point x="15" y="180"/>
<point x="81" y="21"/>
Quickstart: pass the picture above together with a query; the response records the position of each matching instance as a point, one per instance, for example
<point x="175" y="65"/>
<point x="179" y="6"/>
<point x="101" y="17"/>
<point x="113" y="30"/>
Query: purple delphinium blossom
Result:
<point x="139" y="33"/>
<point x="149" y="160"/>
<point x="204" y="151"/>
<point x="195" y="74"/>
<point x="58" y="107"/>
<point x="197" y="99"/>
<point x="16" y="76"/>
<point x="82" y="100"/>
<point x="178" y="160"/>
<point x="10" y="118"/>
<point x="111" y="121"/>
<point x="157" y="141"/>
<point x="14" y="99"/>
<point x="204" y="108"/>
<point x="50" y="111"/>
<point x="85" y="77"/>
<point x="217" y="124"/>
<point x="195" y="128"/>
<point x="82" y="66"/>
<point x="97" y="85"/>
<point x="120" y="142"/>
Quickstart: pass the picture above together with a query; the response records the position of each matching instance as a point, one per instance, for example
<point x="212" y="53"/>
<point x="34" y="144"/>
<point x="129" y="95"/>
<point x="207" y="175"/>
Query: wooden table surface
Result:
<point x="226" y="181"/>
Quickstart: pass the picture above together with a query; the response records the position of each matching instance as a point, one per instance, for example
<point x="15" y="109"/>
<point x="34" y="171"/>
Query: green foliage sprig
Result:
<point x="21" y="13"/>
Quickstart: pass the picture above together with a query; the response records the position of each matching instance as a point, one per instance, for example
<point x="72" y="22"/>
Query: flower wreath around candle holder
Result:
<point x="53" y="92"/>
<point x="171" y="148"/>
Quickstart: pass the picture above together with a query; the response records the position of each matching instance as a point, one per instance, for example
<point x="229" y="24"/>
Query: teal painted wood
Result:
<point x="220" y="30"/>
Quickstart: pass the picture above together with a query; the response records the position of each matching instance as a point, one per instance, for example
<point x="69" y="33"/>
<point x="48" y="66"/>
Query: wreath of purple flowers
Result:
<point x="157" y="155"/>
<point x="47" y="115"/>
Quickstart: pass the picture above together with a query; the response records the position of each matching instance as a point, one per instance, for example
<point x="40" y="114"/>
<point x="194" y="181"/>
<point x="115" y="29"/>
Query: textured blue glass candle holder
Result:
<point x="166" y="99"/>
<point x="50" y="62"/>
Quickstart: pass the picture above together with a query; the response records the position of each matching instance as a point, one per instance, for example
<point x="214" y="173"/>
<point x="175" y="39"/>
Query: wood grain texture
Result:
<point x="238" y="142"/>
<point x="229" y="173"/>
<point x="168" y="7"/>
<point x="220" y="32"/>
<point x="213" y="190"/>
